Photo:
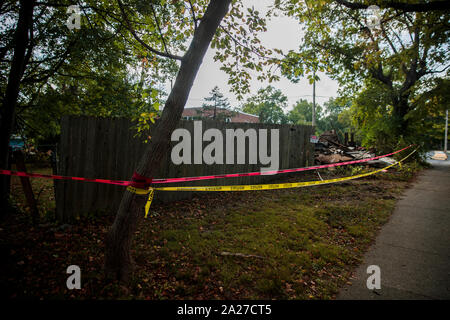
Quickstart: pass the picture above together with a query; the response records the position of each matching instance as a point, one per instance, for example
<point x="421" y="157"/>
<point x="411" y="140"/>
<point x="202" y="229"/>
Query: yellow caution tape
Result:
<point x="150" y="193"/>
<point x="253" y="187"/>
<point x="277" y="186"/>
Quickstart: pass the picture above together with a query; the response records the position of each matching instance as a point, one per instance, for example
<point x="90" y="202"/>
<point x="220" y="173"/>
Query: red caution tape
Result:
<point x="56" y="177"/>
<point x="141" y="182"/>
<point x="258" y="173"/>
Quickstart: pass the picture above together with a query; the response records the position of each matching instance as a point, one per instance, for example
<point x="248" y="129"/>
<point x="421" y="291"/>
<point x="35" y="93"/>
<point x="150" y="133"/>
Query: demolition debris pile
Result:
<point x="330" y="150"/>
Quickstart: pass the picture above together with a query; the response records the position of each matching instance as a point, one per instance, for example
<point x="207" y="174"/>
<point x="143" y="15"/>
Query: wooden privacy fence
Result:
<point x="107" y="148"/>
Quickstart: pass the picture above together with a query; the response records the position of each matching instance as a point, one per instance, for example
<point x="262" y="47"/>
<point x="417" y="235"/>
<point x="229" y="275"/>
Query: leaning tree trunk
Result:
<point x="7" y="114"/>
<point x="118" y="261"/>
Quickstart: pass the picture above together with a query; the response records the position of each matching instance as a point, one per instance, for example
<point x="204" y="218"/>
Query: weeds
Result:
<point x="306" y="243"/>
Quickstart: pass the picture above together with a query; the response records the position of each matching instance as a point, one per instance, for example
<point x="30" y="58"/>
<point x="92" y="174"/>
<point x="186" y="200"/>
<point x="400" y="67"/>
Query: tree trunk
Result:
<point x="118" y="261"/>
<point x="401" y="109"/>
<point x="7" y="116"/>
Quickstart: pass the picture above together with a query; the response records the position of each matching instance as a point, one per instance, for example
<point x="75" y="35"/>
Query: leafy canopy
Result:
<point x="387" y="68"/>
<point x="269" y="104"/>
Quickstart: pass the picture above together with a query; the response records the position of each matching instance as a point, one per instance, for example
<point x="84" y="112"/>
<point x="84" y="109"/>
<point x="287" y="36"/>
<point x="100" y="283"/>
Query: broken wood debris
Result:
<point x="329" y="150"/>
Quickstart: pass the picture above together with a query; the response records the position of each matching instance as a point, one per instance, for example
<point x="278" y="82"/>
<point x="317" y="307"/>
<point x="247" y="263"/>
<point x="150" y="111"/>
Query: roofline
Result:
<point x="248" y="114"/>
<point x="238" y="111"/>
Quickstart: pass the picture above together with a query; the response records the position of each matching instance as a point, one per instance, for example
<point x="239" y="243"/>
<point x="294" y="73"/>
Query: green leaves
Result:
<point x="383" y="69"/>
<point x="268" y="104"/>
<point x="240" y="51"/>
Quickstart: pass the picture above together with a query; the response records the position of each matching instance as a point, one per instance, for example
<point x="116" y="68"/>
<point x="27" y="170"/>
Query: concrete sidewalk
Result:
<point x="413" y="248"/>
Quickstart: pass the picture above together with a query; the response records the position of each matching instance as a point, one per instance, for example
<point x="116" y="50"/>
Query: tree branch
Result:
<point x="405" y="7"/>
<point x="138" y="39"/>
<point x="52" y="70"/>
<point x="379" y="74"/>
<point x="436" y="71"/>
<point x="193" y="14"/>
<point x="159" y="29"/>
<point x="388" y="39"/>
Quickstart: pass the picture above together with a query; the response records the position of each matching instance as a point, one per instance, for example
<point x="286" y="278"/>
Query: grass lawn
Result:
<point x="284" y="244"/>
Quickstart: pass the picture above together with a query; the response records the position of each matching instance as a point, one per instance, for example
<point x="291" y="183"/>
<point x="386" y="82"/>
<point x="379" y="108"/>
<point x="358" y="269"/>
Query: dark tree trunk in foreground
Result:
<point x="118" y="261"/>
<point x="7" y="114"/>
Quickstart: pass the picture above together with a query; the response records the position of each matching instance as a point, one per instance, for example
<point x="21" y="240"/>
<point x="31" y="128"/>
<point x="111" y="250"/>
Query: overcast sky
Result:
<point x="283" y="33"/>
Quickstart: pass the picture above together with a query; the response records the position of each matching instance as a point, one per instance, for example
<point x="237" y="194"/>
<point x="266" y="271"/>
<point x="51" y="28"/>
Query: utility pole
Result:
<point x="446" y="131"/>
<point x="215" y="106"/>
<point x="313" y="121"/>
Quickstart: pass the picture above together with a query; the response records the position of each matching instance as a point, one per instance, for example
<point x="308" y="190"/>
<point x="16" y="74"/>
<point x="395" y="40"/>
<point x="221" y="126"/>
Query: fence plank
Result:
<point x="107" y="148"/>
<point x="61" y="167"/>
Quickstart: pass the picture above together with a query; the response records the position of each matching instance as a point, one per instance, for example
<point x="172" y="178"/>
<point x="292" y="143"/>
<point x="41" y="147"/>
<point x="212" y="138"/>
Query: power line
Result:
<point x="297" y="96"/>
<point x="310" y="95"/>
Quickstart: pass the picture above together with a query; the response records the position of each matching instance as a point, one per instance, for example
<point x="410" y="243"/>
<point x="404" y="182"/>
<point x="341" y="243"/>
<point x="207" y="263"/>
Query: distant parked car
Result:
<point x="16" y="143"/>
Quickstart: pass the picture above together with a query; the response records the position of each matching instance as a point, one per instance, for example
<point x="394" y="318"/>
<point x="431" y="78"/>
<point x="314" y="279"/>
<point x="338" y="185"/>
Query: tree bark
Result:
<point x="8" y="111"/>
<point x="401" y="109"/>
<point x="118" y="260"/>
